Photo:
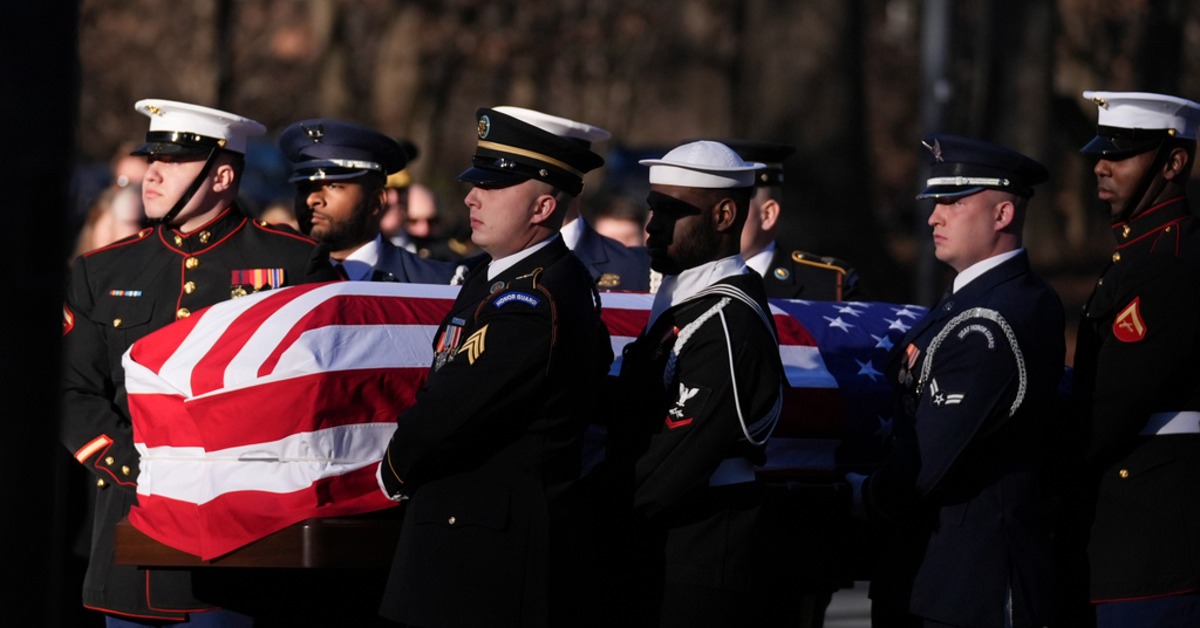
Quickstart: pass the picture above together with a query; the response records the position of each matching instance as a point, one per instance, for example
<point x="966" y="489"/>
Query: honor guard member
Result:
<point x="203" y="250"/>
<point x="489" y="455"/>
<point x="787" y="273"/>
<point x="977" y="379"/>
<point x="340" y="170"/>
<point x="1137" y="380"/>
<point x="614" y="266"/>
<point x="702" y="390"/>
<point x="810" y="524"/>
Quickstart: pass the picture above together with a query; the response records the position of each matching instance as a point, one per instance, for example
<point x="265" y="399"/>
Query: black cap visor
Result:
<point x="951" y="192"/>
<point x="171" y="150"/>
<point x="1116" y="143"/>
<point x="489" y="178"/>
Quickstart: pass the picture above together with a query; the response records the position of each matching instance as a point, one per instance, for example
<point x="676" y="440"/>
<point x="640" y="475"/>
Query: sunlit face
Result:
<point x="502" y="219"/>
<point x="1117" y="181"/>
<point x="167" y="178"/>
<point x="341" y="212"/>
<point x="964" y="228"/>
<point x="680" y="234"/>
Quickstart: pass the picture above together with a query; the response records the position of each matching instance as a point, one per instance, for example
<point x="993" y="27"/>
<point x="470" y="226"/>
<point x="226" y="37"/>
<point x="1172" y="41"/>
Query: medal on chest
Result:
<point x="448" y="342"/>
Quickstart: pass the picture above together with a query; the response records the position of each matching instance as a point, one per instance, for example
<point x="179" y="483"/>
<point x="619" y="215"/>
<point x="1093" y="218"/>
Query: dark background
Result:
<point x="854" y="85"/>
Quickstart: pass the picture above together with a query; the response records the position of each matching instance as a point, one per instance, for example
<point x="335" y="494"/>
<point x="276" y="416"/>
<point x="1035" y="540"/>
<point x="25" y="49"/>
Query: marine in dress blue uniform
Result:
<point x="613" y="266"/>
<point x="977" y="378"/>
<point x="488" y="457"/>
<point x="699" y="393"/>
<point x="328" y="153"/>
<point x="204" y="250"/>
<point x="1137" y="380"/>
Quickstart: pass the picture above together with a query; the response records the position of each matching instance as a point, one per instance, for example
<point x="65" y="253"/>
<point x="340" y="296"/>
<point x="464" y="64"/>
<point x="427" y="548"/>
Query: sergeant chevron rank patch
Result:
<point x="68" y="320"/>
<point x="474" y="345"/>
<point x="1129" y="326"/>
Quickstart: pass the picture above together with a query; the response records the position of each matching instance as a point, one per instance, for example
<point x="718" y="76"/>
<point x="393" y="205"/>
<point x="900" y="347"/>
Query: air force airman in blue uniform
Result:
<point x="978" y="379"/>
<point x="340" y="170"/>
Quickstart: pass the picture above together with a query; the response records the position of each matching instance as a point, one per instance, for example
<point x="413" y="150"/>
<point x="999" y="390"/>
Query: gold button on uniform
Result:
<point x="1125" y="231"/>
<point x="109" y="461"/>
<point x="183" y="312"/>
<point x="178" y="241"/>
<point x="452" y="521"/>
<point x="100" y="483"/>
<point x="125" y="470"/>
<point x="1124" y="473"/>
<point x="191" y="262"/>
<point x="116" y="322"/>
<point x="189" y="287"/>
<point x="1117" y="256"/>
<point x="204" y="237"/>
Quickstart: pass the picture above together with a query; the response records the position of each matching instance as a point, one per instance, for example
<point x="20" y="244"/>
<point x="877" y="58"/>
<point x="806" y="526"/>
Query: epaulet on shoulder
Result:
<point x="281" y="230"/>
<point x="126" y="241"/>
<point x="820" y="261"/>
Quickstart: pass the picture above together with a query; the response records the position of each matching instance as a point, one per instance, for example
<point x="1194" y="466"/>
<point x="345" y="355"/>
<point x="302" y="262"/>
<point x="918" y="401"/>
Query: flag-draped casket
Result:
<point x="267" y="410"/>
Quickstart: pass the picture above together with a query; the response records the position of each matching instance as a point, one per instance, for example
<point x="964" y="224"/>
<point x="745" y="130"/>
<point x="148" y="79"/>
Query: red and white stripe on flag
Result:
<point x="263" y="411"/>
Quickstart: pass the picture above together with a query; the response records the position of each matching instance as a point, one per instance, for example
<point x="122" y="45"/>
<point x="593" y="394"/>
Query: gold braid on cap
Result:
<point x="505" y="148"/>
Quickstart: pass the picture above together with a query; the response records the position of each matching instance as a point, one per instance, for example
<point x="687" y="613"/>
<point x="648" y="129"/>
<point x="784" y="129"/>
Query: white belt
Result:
<point x="732" y="471"/>
<point x="1161" y="423"/>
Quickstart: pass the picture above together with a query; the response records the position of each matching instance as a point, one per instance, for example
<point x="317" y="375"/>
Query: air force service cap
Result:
<point x="702" y="164"/>
<point x="962" y="166"/>
<point x="511" y="150"/>
<point x="182" y="129"/>
<point x="1130" y="123"/>
<point x="325" y="149"/>
<point x="770" y="154"/>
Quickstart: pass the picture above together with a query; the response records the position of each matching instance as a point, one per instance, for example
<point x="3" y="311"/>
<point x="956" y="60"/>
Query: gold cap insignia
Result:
<point x="781" y="273"/>
<point x="315" y="133"/>
<point x="484" y="126"/>
<point x="609" y="280"/>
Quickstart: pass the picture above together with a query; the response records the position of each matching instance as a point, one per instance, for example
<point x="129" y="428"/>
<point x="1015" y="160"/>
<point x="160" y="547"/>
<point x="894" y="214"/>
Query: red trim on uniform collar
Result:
<point x="203" y="226"/>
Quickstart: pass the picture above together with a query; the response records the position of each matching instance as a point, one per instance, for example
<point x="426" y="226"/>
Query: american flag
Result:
<point x="261" y="412"/>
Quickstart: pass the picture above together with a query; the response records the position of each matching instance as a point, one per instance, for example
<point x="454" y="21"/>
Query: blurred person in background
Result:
<point x="117" y="211"/>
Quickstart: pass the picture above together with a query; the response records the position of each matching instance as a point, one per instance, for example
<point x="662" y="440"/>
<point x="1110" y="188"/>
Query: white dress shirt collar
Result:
<point x="972" y="272"/>
<point x="676" y="289"/>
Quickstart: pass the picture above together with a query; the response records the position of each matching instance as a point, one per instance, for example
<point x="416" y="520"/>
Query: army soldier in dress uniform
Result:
<point x="340" y="170"/>
<point x="701" y="391"/>
<point x="614" y="266"/>
<point x="1137" y="379"/>
<point x="787" y="273"/>
<point x="489" y="455"/>
<point x="203" y="250"/>
<point x="978" y="378"/>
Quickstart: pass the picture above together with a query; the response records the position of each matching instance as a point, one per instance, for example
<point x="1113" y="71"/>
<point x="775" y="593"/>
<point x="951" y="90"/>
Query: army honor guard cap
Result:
<point x="702" y="164"/>
<point x="511" y="151"/>
<point x="583" y="133"/>
<point x="962" y="166"/>
<point x="183" y="129"/>
<point x="1130" y="123"/>
<point x="770" y="154"/>
<point x="326" y="149"/>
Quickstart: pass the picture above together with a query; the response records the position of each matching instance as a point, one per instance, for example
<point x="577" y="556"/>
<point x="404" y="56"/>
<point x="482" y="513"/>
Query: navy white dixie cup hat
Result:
<point x="326" y="149"/>
<point x="1130" y="123"/>
<point x="183" y="129"/>
<point x="511" y="151"/>
<point x="962" y="166"/>
<point x="702" y="164"/>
